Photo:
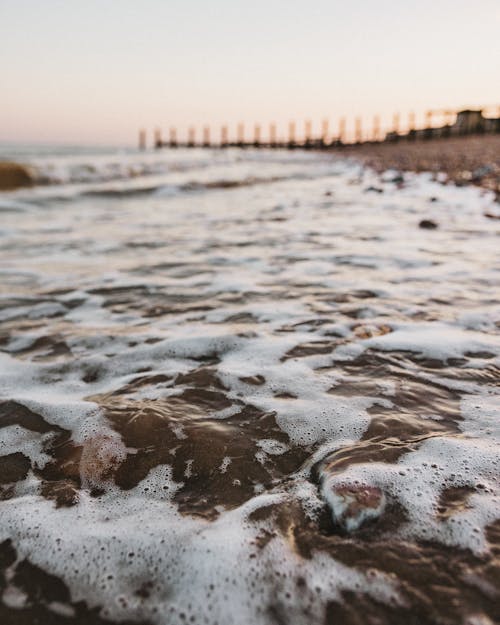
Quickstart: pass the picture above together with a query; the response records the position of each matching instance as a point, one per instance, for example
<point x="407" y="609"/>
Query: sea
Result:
<point x="247" y="386"/>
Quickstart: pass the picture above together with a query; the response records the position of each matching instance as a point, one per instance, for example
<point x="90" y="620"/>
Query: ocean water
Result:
<point x="246" y="387"/>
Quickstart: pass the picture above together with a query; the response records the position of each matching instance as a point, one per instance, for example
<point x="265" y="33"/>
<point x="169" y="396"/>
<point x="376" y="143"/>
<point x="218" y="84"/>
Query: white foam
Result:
<point x="433" y="340"/>
<point x="15" y="438"/>
<point x="418" y="479"/>
<point x="291" y="266"/>
<point x="111" y="546"/>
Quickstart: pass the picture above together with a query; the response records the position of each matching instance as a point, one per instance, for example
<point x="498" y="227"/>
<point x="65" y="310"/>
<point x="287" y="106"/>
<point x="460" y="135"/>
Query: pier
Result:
<point x="436" y="123"/>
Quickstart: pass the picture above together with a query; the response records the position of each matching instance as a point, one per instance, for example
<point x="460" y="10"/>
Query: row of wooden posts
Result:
<point x="325" y="139"/>
<point x="273" y="141"/>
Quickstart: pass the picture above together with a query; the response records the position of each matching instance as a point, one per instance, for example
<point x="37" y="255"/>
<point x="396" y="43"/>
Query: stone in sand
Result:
<point x="428" y="224"/>
<point x="354" y="504"/>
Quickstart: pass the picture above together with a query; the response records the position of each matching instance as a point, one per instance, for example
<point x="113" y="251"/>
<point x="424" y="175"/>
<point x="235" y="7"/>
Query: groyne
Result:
<point x="434" y="124"/>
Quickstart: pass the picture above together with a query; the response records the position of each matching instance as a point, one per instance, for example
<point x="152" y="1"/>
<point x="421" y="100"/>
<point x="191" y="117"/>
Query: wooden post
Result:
<point x="358" y="132"/>
<point x="324" y="132"/>
<point x="191" y="137"/>
<point x="291" y="134"/>
<point x="428" y="125"/>
<point x="395" y="123"/>
<point x="256" y="136"/>
<point x="411" y="125"/>
<point x="307" y="132"/>
<point x="157" y="138"/>
<point x="394" y="133"/>
<point x="206" y="137"/>
<point x="223" y="137"/>
<point x="272" y="135"/>
<point x="447" y="122"/>
<point x="173" y="138"/>
<point x="142" y="139"/>
<point x="342" y="130"/>
<point x="241" y="134"/>
<point x="376" y="128"/>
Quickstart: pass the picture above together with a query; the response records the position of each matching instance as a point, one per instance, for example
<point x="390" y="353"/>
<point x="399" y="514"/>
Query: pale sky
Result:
<point x="95" y="71"/>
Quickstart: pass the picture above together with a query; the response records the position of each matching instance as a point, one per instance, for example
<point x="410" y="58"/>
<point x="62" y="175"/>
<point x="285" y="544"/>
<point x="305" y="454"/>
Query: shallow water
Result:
<point x="247" y="387"/>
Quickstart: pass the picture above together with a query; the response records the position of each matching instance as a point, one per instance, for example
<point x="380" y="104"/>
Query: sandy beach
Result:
<point x="465" y="160"/>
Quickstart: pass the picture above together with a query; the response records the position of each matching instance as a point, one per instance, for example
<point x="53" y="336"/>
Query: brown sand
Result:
<point x="13" y="176"/>
<point x="466" y="160"/>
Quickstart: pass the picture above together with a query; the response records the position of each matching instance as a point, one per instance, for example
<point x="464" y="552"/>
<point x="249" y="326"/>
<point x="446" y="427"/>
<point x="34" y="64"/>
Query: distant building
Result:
<point x="491" y="124"/>
<point x="468" y="122"/>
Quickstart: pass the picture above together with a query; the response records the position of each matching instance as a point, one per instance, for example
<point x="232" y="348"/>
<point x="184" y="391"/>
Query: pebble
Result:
<point x="354" y="504"/>
<point x="428" y="224"/>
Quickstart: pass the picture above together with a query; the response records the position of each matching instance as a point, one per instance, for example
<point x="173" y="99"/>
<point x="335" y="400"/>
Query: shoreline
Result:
<point x="464" y="160"/>
<point x="472" y="159"/>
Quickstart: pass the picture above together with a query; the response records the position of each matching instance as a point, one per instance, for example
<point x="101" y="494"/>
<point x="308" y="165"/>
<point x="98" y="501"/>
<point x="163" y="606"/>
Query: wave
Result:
<point x="139" y="169"/>
<point x="188" y="187"/>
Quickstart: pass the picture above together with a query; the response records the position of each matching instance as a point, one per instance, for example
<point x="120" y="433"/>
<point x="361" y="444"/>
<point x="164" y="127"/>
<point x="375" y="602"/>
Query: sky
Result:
<point x="95" y="71"/>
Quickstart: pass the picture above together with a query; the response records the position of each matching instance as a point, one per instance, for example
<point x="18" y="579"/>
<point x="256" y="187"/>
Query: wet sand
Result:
<point x="250" y="403"/>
